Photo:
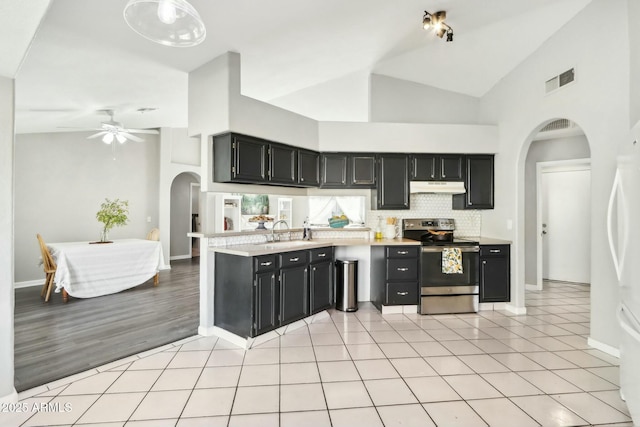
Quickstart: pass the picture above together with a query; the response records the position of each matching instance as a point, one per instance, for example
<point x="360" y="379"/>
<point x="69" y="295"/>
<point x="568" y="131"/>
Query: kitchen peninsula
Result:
<point x="252" y="290"/>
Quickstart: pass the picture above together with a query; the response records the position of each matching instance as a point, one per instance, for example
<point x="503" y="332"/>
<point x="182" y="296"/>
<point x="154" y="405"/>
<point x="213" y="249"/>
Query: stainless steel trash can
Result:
<point x="347" y="284"/>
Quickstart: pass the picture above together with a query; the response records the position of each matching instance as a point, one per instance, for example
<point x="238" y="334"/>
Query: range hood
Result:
<point x="442" y="187"/>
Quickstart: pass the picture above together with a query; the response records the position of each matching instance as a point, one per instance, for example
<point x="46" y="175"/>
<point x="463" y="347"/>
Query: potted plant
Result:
<point x="112" y="213"/>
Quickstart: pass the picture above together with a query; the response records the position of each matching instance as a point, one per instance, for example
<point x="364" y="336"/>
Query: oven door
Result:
<point x="431" y="274"/>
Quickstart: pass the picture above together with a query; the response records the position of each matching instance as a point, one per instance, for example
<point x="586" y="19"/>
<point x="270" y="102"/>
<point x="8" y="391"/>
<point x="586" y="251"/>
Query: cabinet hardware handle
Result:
<point x="403" y="293"/>
<point x="301" y="179"/>
<point x="296" y="259"/>
<point x="484" y="262"/>
<point x="314" y="269"/>
<point x="266" y="263"/>
<point x="494" y="251"/>
<point x="402" y="269"/>
<point x="322" y="255"/>
<point x="403" y="252"/>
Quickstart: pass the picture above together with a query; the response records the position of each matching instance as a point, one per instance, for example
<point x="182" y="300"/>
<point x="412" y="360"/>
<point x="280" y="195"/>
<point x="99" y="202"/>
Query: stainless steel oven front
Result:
<point x="444" y="292"/>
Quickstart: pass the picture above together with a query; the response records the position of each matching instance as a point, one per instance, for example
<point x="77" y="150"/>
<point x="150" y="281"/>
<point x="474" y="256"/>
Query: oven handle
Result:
<point x="441" y="248"/>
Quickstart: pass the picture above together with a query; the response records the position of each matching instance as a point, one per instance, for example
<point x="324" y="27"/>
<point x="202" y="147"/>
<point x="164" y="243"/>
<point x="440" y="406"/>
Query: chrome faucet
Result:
<point x="273" y="229"/>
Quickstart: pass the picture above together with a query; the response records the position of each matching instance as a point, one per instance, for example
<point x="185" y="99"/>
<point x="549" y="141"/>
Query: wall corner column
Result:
<point x="7" y="300"/>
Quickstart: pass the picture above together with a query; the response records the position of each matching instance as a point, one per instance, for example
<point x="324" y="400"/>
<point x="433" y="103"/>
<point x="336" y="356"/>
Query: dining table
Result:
<point x="92" y="269"/>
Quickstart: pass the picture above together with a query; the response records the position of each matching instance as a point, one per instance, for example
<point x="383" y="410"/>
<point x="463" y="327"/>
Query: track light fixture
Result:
<point x="436" y="21"/>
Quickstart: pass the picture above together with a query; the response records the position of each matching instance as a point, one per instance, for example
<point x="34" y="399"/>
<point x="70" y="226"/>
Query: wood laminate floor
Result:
<point x="54" y="340"/>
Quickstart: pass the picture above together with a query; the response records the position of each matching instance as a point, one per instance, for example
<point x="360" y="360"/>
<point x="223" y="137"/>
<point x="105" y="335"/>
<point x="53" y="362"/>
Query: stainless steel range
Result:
<point x="448" y="266"/>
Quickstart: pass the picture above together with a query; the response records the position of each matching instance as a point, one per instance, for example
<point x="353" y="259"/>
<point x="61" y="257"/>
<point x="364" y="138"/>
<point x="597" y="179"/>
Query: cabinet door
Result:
<point x="321" y="286"/>
<point x="362" y="170"/>
<point x="393" y="182"/>
<point x="249" y="159"/>
<point x="334" y="170"/>
<point x="401" y="293"/>
<point x="265" y="303"/>
<point x="451" y="167"/>
<point x="294" y="295"/>
<point x="479" y="182"/>
<point x="424" y="167"/>
<point x="308" y="168"/>
<point x="494" y="279"/>
<point x="283" y="164"/>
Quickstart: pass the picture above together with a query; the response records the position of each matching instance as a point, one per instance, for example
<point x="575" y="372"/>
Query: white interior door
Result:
<point x="565" y="225"/>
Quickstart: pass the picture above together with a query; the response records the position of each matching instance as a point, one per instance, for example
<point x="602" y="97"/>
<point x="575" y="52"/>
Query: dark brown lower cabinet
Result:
<point x="495" y="273"/>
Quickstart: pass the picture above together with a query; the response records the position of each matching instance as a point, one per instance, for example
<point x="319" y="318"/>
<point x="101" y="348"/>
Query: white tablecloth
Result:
<point x="89" y="270"/>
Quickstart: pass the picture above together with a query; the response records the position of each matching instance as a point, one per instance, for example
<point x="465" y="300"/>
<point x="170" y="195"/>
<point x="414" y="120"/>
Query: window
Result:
<point x="321" y="208"/>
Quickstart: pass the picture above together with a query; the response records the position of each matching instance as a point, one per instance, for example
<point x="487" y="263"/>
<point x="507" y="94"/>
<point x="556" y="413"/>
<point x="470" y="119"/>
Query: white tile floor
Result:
<point x="359" y="369"/>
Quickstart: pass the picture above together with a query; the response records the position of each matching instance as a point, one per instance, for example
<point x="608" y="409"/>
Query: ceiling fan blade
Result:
<point x="97" y="135"/>
<point x="147" y="131"/>
<point x="131" y="137"/>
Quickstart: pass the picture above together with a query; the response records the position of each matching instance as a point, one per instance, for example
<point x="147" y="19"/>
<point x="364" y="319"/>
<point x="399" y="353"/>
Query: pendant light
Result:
<point x="168" y="22"/>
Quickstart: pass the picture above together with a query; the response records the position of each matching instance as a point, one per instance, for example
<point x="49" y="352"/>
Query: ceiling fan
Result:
<point x="114" y="131"/>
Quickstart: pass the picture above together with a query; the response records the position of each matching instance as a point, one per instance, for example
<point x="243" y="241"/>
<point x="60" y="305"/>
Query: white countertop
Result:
<point x="296" y="245"/>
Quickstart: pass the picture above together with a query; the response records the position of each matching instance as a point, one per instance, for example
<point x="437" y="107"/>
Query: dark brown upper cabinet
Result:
<point x="348" y="170"/>
<point x="479" y="183"/>
<point x="437" y="167"/>
<point x="308" y="168"/>
<point x="240" y="158"/>
<point x="283" y="164"/>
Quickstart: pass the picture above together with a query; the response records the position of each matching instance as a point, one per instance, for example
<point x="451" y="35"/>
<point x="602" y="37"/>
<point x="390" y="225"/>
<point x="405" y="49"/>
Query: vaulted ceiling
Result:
<point x="85" y="58"/>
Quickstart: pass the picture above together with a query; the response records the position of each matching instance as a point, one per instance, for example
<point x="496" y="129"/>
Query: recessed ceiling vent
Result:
<point x="557" y="125"/>
<point x="560" y="80"/>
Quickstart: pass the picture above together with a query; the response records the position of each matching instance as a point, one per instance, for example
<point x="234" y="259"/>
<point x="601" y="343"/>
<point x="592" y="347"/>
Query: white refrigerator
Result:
<point x="623" y="227"/>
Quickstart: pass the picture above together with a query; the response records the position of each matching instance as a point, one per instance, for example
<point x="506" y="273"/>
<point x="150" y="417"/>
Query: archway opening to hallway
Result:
<point x="557" y="207"/>
<point x="184" y="216"/>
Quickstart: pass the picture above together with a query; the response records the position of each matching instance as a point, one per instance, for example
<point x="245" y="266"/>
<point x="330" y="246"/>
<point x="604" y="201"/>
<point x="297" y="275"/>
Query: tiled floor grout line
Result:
<point x="464" y="337"/>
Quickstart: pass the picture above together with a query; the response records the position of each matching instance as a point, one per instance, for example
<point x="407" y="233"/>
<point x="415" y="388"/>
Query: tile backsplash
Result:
<point x="468" y="222"/>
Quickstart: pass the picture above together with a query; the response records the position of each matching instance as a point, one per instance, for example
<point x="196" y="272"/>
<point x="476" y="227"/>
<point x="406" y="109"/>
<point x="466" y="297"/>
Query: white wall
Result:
<point x="634" y="58"/>
<point x="62" y="178"/>
<point x="345" y="99"/>
<point x="575" y="147"/>
<point x="7" y="391"/>
<point x="184" y="150"/>
<point x="394" y="100"/>
<point x="598" y="102"/>
<point x="171" y="142"/>
<point x="180" y="215"/>
<point x="408" y="137"/>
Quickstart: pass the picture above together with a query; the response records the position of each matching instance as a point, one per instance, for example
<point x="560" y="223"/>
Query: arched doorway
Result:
<point x="557" y="199"/>
<point x="185" y="203"/>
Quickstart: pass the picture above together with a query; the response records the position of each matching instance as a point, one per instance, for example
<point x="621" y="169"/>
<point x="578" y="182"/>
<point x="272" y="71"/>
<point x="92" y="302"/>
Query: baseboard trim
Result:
<point x="606" y="348"/>
<point x="28" y="284"/>
<point x="178" y="257"/>
<point x="10" y="398"/>
<point x="529" y="287"/>
<point x="515" y="310"/>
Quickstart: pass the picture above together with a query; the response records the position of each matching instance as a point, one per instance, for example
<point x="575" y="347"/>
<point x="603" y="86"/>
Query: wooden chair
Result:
<point x="154" y="234"/>
<point x="49" y="267"/>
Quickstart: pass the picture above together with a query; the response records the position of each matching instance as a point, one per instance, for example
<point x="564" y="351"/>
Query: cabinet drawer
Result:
<point x="264" y="263"/>
<point x="401" y="293"/>
<point x="295" y="258"/>
<point x="321" y="254"/>
<point x="494" y="250"/>
<point x="402" y="251"/>
<point x="402" y="269"/>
